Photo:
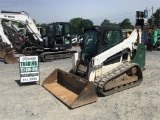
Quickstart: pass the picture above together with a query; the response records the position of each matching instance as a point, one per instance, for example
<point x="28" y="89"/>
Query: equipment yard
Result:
<point x="33" y="102"/>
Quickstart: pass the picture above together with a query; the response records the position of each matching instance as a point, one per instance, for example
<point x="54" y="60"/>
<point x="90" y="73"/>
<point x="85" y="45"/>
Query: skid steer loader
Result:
<point x="106" y="64"/>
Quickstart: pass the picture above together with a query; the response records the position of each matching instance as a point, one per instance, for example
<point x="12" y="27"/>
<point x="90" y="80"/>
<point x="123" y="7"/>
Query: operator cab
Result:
<point x="99" y="39"/>
<point x="57" y="36"/>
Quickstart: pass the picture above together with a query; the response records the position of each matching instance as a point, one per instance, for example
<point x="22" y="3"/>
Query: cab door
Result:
<point x="110" y="39"/>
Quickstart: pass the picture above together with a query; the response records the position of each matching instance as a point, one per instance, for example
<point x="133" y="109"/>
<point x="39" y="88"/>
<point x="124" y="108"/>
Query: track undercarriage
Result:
<point x="48" y="54"/>
<point x="123" y="77"/>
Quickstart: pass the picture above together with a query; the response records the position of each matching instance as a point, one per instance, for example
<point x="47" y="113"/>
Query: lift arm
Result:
<point x="127" y="43"/>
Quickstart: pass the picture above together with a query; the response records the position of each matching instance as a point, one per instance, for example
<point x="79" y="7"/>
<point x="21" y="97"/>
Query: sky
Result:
<point x="48" y="11"/>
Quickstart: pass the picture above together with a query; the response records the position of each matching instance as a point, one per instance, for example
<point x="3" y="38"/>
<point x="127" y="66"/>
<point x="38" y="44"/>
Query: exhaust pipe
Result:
<point x="70" y="89"/>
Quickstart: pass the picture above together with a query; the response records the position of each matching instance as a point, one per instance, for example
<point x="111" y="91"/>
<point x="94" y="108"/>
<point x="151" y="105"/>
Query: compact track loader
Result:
<point x="106" y="64"/>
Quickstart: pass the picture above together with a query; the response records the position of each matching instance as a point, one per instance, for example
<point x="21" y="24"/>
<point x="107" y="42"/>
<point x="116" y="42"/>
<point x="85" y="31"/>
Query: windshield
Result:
<point x="43" y="32"/>
<point x="67" y="34"/>
<point x="62" y="34"/>
<point x="90" y="41"/>
<point x="59" y="29"/>
<point x="66" y="29"/>
<point x="90" y="37"/>
<point x="51" y="31"/>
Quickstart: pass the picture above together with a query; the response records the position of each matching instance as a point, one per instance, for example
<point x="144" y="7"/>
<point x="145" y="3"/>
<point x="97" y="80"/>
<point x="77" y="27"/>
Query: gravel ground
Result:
<point x="33" y="102"/>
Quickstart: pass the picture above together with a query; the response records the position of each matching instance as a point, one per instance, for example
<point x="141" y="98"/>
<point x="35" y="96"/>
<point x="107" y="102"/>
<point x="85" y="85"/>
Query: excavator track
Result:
<point x="49" y="56"/>
<point x="125" y="76"/>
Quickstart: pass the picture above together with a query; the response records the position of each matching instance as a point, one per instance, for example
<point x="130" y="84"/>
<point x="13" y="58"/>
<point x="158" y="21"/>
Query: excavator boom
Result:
<point x="6" y="50"/>
<point x="57" y="41"/>
<point x="24" y="18"/>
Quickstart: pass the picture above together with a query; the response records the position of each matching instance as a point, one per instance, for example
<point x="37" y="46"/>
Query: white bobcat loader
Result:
<point x="106" y="64"/>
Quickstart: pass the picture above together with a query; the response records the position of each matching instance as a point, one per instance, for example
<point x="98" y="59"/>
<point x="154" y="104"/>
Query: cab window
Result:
<point x="110" y="39"/>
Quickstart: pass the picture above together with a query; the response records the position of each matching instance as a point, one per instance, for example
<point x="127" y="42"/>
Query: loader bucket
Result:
<point x="2" y="53"/>
<point x="9" y="58"/>
<point x="70" y="89"/>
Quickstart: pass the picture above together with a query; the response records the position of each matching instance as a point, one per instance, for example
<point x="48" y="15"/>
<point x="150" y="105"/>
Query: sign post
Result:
<point x="29" y="69"/>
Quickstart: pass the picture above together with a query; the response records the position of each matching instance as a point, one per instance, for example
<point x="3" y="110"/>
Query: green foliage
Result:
<point x="107" y="23"/>
<point x="77" y="24"/>
<point x="155" y="20"/>
<point x="85" y="23"/>
<point x="41" y="25"/>
<point x="74" y="24"/>
<point x="126" y="24"/>
<point x="149" y="21"/>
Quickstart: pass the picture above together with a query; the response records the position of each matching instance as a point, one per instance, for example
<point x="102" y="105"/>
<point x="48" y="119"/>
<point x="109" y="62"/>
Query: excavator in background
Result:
<point x="106" y="64"/>
<point x="6" y="48"/>
<point x="55" y="48"/>
<point x="17" y="38"/>
<point x="24" y="18"/>
<point x="57" y="37"/>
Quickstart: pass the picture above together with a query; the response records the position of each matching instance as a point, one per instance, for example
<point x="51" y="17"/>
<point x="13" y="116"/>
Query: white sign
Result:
<point x="29" y="69"/>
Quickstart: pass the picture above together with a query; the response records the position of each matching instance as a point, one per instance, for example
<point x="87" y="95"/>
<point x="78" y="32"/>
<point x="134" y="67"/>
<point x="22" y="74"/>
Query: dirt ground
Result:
<point x="33" y="102"/>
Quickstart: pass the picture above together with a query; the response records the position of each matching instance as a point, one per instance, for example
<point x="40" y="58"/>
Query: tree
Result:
<point x="85" y="23"/>
<point x="77" y="24"/>
<point x="107" y="23"/>
<point x="41" y="25"/>
<point x="126" y="24"/>
<point x="155" y="19"/>
<point x="74" y="24"/>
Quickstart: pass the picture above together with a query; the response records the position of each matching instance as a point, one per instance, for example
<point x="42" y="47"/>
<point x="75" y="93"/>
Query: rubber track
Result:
<point x="55" y="55"/>
<point x="100" y="81"/>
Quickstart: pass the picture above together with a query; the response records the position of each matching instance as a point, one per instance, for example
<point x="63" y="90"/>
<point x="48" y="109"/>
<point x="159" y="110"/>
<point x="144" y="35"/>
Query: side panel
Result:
<point x="75" y="57"/>
<point x="140" y="56"/>
<point x="127" y="43"/>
